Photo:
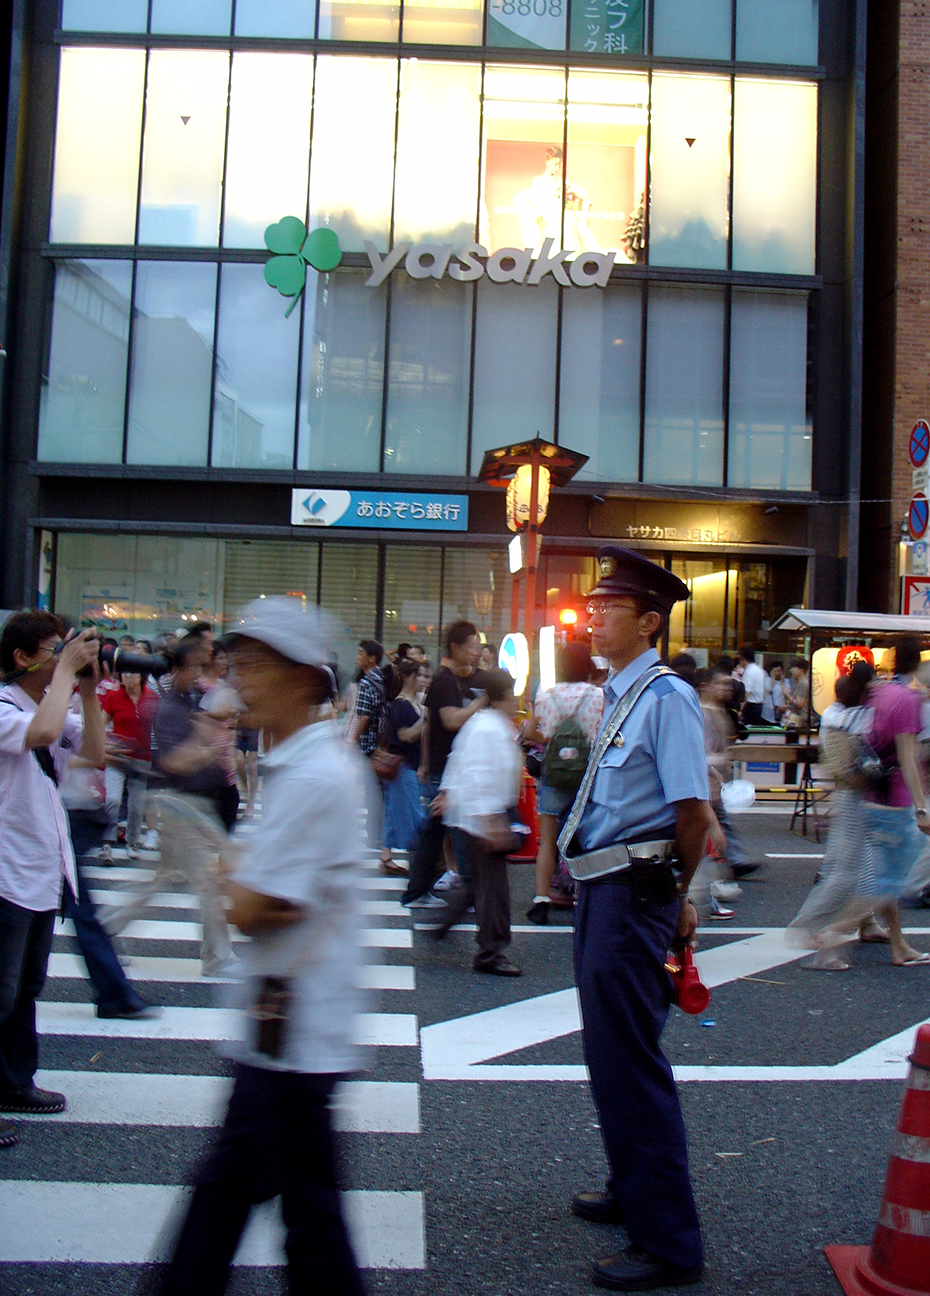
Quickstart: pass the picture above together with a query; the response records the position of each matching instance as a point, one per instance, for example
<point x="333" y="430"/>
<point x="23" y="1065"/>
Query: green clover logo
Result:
<point x="293" y="250"/>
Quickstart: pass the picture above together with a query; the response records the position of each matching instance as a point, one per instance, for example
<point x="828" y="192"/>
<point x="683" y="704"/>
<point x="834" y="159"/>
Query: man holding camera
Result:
<point x="38" y="735"/>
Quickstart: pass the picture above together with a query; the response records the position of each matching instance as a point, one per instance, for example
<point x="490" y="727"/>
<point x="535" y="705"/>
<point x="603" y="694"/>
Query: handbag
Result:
<point x="386" y="764"/>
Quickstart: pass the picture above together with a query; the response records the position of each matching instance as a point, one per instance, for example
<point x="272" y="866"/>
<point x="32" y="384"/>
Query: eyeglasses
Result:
<point x="600" y="607"/>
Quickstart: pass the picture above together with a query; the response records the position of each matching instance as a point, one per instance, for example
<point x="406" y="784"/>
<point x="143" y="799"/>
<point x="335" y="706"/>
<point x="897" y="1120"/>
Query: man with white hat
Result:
<point x="295" y="893"/>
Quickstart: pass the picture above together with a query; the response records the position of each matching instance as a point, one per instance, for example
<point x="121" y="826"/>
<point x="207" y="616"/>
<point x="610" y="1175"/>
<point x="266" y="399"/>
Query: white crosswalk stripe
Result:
<point x="124" y="1224"/>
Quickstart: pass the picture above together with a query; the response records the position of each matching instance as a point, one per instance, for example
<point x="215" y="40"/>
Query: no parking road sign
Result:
<point x="918" y="515"/>
<point x="919" y="445"/>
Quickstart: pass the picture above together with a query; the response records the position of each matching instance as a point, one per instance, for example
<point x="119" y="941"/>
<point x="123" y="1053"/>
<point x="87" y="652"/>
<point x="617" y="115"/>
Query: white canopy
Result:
<point x="850" y="623"/>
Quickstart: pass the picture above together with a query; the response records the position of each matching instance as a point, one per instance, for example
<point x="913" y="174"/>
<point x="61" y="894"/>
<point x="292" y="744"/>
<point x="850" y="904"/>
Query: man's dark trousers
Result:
<point x="25" y="944"/>
<point x="621" y="945"/>
<point x="276" y="1140"/>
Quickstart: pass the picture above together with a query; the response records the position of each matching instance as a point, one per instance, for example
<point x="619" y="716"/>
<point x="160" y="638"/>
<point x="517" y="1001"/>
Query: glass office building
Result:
<point x="621" y="225"/>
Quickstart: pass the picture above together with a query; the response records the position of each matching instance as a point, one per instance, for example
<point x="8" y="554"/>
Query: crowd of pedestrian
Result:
<point x="630" y="758"/>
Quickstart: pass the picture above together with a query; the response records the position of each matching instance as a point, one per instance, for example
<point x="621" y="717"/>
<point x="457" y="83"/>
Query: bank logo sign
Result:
<point x="381" y="510"/>
<point x="293" y="249"/>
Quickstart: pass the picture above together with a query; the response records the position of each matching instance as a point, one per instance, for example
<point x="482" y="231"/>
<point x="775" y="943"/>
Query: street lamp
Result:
<point x="527" y="469"/>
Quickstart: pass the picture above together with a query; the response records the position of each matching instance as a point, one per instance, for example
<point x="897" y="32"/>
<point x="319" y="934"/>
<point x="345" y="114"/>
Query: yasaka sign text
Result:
<point x="471" y="261"/>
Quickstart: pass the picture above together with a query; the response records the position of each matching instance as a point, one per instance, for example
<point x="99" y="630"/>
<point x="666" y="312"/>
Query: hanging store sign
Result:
<point x="607" y="26"/>
<point x="381" y="510"/>
<point x="471" y="261"/>
<point x="527" y="24"/>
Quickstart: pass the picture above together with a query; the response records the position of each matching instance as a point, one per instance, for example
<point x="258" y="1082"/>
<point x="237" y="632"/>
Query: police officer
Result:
<point x="633" y="839"/>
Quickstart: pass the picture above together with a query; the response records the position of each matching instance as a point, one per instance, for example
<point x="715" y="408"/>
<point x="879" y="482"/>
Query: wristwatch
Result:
<point x="921" y="812"/>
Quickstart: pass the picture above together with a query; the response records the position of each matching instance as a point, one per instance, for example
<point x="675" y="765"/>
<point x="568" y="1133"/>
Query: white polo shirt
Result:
<point x="35" y="843"/>
<point x="754" y="682"/>
<point x="309" y="849"/>
<point x="483" y="773"/>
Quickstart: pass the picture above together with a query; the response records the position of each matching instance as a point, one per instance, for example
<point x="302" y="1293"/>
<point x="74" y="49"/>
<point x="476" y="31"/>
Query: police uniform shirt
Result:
<point x="660" y="761"/>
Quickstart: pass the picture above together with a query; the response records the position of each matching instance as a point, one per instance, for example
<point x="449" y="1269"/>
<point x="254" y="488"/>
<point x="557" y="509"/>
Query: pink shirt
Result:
<point x="896" y="709"/>
<point x="35" y="843"/>
<point x="558" y="703"/>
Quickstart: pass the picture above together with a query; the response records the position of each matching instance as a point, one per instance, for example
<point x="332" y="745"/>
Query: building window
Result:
<point x="267" y="152"/>
<point x="777" y="31"/>
<point x="600" y="380"/>
<point x="688" y="29"/>
<point x="256" y="375"/>
<point x="774" y="176"/>
<point x="428" y="371"/>
<point x="281" y="18"/>
<point x="104" y="15"/>
<point x="413" y="597"/>
<point x="443" y="22"/>
<point x="366" y="20"/>
<point x="437" y="151"/>
<point x="181" y="18"/>
<point x="515" y="365"/>
<point x="172" y="363"/>
<point x="349" y="591"/>
<point x="605" y="172"/>
<point x="182" y="158"/>
<point x="352" y="160"/>
<point x="97" y="143"/>
<point x="521" y="165"/>
<point x="342" y="375"/>
<point x="770" y="425"/>
<point x="689" y="171"/>
<point x="684" y="387"/>
<point x="83" y="396"/>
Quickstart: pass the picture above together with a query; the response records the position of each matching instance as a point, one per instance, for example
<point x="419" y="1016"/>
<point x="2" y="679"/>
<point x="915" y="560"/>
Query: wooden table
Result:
<point x="805" y="754"/>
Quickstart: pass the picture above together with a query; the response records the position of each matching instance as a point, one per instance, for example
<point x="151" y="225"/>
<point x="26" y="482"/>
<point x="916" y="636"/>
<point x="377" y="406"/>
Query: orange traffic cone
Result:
<point x="898" y="1262"/>
<point x="526" y="808"/>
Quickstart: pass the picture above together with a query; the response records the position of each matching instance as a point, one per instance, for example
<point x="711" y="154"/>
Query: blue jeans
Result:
<point x="112" y="989"/>
<point x="25" y="944"/>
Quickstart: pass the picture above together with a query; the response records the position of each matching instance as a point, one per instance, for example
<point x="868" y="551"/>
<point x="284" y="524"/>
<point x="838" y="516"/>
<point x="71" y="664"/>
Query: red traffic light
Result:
<point x="568" y="617"/>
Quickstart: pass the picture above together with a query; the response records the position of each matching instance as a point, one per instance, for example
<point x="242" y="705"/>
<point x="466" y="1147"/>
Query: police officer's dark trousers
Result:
<point x="621" y="944"/>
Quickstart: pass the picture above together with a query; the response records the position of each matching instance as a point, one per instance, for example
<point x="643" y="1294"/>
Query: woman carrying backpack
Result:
<point x="567" y="718"/>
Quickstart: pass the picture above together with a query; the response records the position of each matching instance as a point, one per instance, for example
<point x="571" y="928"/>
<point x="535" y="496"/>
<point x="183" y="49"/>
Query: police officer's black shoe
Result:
<point x="637" y="1270"/>
<point x="599" y="1207"/>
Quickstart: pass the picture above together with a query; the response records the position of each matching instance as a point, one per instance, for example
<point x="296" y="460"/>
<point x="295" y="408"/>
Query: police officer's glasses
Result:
<point x="600" y="607"/>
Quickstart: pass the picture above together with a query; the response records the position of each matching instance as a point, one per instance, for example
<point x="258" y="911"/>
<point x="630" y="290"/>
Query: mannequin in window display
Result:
<point x="539" y="210"/>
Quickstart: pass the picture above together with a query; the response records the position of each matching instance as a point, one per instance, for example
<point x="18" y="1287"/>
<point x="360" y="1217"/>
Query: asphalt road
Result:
<point x="787" y="1156"/>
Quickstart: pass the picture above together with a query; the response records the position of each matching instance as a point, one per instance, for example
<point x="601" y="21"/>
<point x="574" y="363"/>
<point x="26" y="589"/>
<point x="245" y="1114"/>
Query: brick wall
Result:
<point x="912" y="291"/>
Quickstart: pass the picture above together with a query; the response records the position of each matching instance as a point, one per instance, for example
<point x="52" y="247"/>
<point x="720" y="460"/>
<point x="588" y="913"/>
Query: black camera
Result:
<point x="120" y="661"/>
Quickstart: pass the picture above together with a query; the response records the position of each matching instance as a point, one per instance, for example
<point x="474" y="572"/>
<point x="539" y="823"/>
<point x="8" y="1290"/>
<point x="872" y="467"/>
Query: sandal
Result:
<point x="393" y="868"/>
<point x="820" y="964"/>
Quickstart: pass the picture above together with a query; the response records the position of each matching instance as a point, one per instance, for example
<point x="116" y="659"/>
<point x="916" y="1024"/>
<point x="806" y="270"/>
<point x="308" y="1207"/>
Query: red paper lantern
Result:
<point x="851" y="655"/>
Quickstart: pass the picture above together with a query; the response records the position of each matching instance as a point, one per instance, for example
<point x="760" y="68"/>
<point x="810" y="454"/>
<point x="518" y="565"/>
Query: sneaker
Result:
<point x="105" y="854"/>
<point x="132" y="852"/>
<point x="448" y="882"/>
<point x="150" y="841"/>
<point x="8" y="1134"/>
<point x="427" y="901"/>
<point x="726" y="890"/>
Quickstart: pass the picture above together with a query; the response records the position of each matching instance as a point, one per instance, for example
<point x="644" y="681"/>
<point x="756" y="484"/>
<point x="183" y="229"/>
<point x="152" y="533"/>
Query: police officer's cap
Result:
<point x="625" y="572"/>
